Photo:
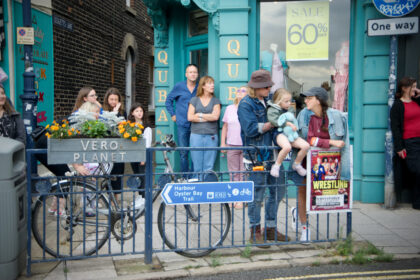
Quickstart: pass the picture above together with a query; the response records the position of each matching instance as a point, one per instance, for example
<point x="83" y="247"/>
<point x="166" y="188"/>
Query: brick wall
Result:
<point x="87" y="55"/>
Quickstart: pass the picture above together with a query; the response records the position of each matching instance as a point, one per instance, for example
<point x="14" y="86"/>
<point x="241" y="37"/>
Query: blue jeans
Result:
<point x="203" y="160"/>
<point x="184" y="141"/>
<point x="276" y="192"/>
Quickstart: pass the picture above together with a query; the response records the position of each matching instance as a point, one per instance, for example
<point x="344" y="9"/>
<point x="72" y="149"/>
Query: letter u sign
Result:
<point x="234" y="74"/>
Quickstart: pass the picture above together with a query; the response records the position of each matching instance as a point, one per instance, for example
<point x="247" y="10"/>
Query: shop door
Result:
<point x="198" y="55"/>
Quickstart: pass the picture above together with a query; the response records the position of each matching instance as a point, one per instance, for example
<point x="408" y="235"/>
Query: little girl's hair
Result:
<point x="131" y="118"/>
<point x="89" y="107"/>
<point x="279" y="95"/>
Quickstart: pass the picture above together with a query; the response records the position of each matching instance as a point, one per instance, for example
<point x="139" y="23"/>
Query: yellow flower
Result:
<point x="72" y="129"/>
<point x="138" y="131"/>
<point x="126" y="135"/>
<point x="54" y="128"/>
<point x="141" y="126"/>
<point x="63" y="125"/>
<point x="70" y="133"/>
<point x="122" y="130"/>
<point x="132" y="124"/>
<point x="47" y="126"/>
<point x="134" y="139"/>
<point x="48" y="135"/>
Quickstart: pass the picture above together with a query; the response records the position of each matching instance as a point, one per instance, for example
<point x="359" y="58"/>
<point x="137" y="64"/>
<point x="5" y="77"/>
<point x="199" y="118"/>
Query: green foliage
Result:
<point x="345" y="247"/>
<point x="246" y="253"/>
<point x="384" y="258"/>
<point x="94" y="129"/>
<point x="215" y="261"/>
<point x="360" y="258"/>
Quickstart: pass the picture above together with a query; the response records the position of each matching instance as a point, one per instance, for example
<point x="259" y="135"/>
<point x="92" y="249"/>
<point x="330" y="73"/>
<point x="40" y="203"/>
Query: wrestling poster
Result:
<point x="325" y="191"/>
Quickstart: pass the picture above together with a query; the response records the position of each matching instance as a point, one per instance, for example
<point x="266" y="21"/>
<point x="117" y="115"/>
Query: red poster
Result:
<point x="326" y="192"/>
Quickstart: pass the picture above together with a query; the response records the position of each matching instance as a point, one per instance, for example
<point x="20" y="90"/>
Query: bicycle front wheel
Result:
<point x="72" y="220"/>
<point x="194" y="230"/>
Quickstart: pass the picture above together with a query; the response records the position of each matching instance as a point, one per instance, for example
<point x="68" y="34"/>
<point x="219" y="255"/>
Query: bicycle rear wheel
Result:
<point x="71" y="220"/>
<point x="194" y="230"/>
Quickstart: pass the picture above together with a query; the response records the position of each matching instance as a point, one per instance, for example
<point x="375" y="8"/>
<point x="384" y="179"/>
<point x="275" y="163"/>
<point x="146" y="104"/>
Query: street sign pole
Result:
<point x="390" y="198"/>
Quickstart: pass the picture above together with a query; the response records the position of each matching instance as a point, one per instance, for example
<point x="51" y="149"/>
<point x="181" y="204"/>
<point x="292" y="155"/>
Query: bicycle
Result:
<point x="80" y="234"/>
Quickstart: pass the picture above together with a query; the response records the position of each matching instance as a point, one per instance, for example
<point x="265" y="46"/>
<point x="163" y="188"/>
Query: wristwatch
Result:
<point x="201" y="117"/>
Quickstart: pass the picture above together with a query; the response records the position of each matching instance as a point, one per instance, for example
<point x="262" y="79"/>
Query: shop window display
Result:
<point x="306" y="44"/>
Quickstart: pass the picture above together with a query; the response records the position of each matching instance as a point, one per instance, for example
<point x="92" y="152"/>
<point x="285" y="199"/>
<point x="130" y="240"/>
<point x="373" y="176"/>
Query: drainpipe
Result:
<point x="11" y="48"/>
<point x="29" y="99"/>
<point x="390" y="198"/>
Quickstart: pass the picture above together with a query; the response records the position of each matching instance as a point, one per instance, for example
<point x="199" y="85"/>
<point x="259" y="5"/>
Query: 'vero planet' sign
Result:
<point x="95" y="150"/>
<point x="393" y="26"/>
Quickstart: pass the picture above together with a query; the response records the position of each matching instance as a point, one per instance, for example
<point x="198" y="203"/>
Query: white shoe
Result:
<point x="305" y="234"/>
<point x="275" y="169"/>
<point x="299" y="169"/>
<point x="139" y="202"/>
<point x="294" y="218"/>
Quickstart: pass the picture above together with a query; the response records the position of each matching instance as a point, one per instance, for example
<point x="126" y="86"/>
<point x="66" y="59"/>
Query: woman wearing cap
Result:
<point x="257" y="130"/>
<point x="323" y="127"/>
<point x="405" y="117"/>
<point x="11" y="125"/>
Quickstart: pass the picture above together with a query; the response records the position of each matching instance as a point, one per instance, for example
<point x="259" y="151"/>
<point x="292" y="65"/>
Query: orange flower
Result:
<point x="126" y="135"/>
<point x="48" y="135"/>
<point x="138" y="131"/>
<point x="47" y="126"/>
<point x="63" y="125"/>
<point x="122" y="130"/>
<point x="134" y="139"/>
<point x="132" y="124"/>
<point x="70" y="132"/>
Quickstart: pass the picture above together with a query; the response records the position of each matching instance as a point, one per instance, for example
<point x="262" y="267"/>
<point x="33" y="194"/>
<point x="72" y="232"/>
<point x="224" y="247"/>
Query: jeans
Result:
<point x="203" y="160"/>
<point x="276" y="192"/>
<point x="184" y="141"/>
<point x="140" y="170"/>
<point x="235" y="163"/>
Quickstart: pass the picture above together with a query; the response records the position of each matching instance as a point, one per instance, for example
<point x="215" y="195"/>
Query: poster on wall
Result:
<point x="307" y="30"/>
<point x="43" y="63"/>
<point x="325" y="191"/>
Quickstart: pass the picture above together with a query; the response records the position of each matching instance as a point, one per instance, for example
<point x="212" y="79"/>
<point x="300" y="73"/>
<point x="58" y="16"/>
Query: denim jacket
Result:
<point x="338" y="130"/>
<point x="252" y="115"/>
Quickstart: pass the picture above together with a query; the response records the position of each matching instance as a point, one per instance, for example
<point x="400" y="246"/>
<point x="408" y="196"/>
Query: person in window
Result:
<point x="257" y="130"/>
<point x="11" y="125"/>
<point x="204" y="113"/>
<point x="405" y="118"/>
<point x="181" y="95"/>
<point x="323" y="127"/>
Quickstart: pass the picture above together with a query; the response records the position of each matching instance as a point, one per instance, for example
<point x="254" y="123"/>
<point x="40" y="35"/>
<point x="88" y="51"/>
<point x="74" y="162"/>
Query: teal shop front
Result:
<point x="312" y="42"/>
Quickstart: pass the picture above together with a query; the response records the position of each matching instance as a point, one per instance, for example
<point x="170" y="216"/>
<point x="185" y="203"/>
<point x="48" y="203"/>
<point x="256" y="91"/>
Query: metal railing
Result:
<point x="76" y="217"/>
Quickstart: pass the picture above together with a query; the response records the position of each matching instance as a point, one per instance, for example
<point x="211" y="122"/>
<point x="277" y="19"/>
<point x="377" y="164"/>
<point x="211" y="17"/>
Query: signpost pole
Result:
<point x="29" y="98"/>
<point x="390" y="198"/>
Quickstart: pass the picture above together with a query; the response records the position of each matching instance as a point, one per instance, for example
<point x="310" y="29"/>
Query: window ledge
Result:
<point x="130" y="10"/>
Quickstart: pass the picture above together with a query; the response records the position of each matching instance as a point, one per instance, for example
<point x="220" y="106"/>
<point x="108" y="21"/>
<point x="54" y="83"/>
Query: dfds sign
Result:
<point x="395" y="8"/>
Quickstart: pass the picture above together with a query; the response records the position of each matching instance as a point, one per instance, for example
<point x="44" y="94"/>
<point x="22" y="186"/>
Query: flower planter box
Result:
<point x="83" y="150"/>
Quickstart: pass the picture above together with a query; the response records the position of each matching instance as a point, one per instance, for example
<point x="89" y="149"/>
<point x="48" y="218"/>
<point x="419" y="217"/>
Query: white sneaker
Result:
<point x="275" y="169"/>
<point x="305" y="234"/>
<point x="299" y="169"/>
<point x="139" y="202"/>
<point x="294" y="218"/>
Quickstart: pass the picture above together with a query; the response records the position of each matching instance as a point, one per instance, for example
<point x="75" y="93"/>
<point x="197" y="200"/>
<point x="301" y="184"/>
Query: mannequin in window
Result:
<point x="275" y="62"/>
<point x="341" y="77"/>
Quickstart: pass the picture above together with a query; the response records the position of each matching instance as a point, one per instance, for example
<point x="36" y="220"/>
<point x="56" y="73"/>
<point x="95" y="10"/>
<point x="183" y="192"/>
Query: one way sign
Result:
<point x="208" y="192"/>
<point x="393" y="26"/>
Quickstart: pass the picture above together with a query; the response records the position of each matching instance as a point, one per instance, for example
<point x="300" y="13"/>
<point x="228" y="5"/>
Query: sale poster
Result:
<point x="307" y="30"/>
<point x="326" y="191"/>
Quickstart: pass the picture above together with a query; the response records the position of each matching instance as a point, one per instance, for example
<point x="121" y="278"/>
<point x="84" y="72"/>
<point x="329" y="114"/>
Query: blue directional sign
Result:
<point x="208" y="192"/>
<point x="395" y="8"/>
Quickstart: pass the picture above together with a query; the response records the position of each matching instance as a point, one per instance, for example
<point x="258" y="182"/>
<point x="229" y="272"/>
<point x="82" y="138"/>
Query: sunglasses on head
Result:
<point x="241" y="90"/>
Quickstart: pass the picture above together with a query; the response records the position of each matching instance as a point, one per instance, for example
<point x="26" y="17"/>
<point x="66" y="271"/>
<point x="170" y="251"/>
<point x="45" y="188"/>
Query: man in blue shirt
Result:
<point x="182" y="94"/>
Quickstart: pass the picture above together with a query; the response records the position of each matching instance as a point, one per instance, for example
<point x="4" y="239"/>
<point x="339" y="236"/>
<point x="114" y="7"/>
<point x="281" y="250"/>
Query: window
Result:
<point x="151" y="86"/>
<point x="129" y="78"/>
<point x="128" y="3"/>
<point x="198" y="23"/>
<point x="305" y="44"/>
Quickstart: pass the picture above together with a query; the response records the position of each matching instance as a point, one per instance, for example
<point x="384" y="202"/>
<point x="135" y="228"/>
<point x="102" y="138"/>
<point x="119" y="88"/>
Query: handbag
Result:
<point x="38" y="132"/>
